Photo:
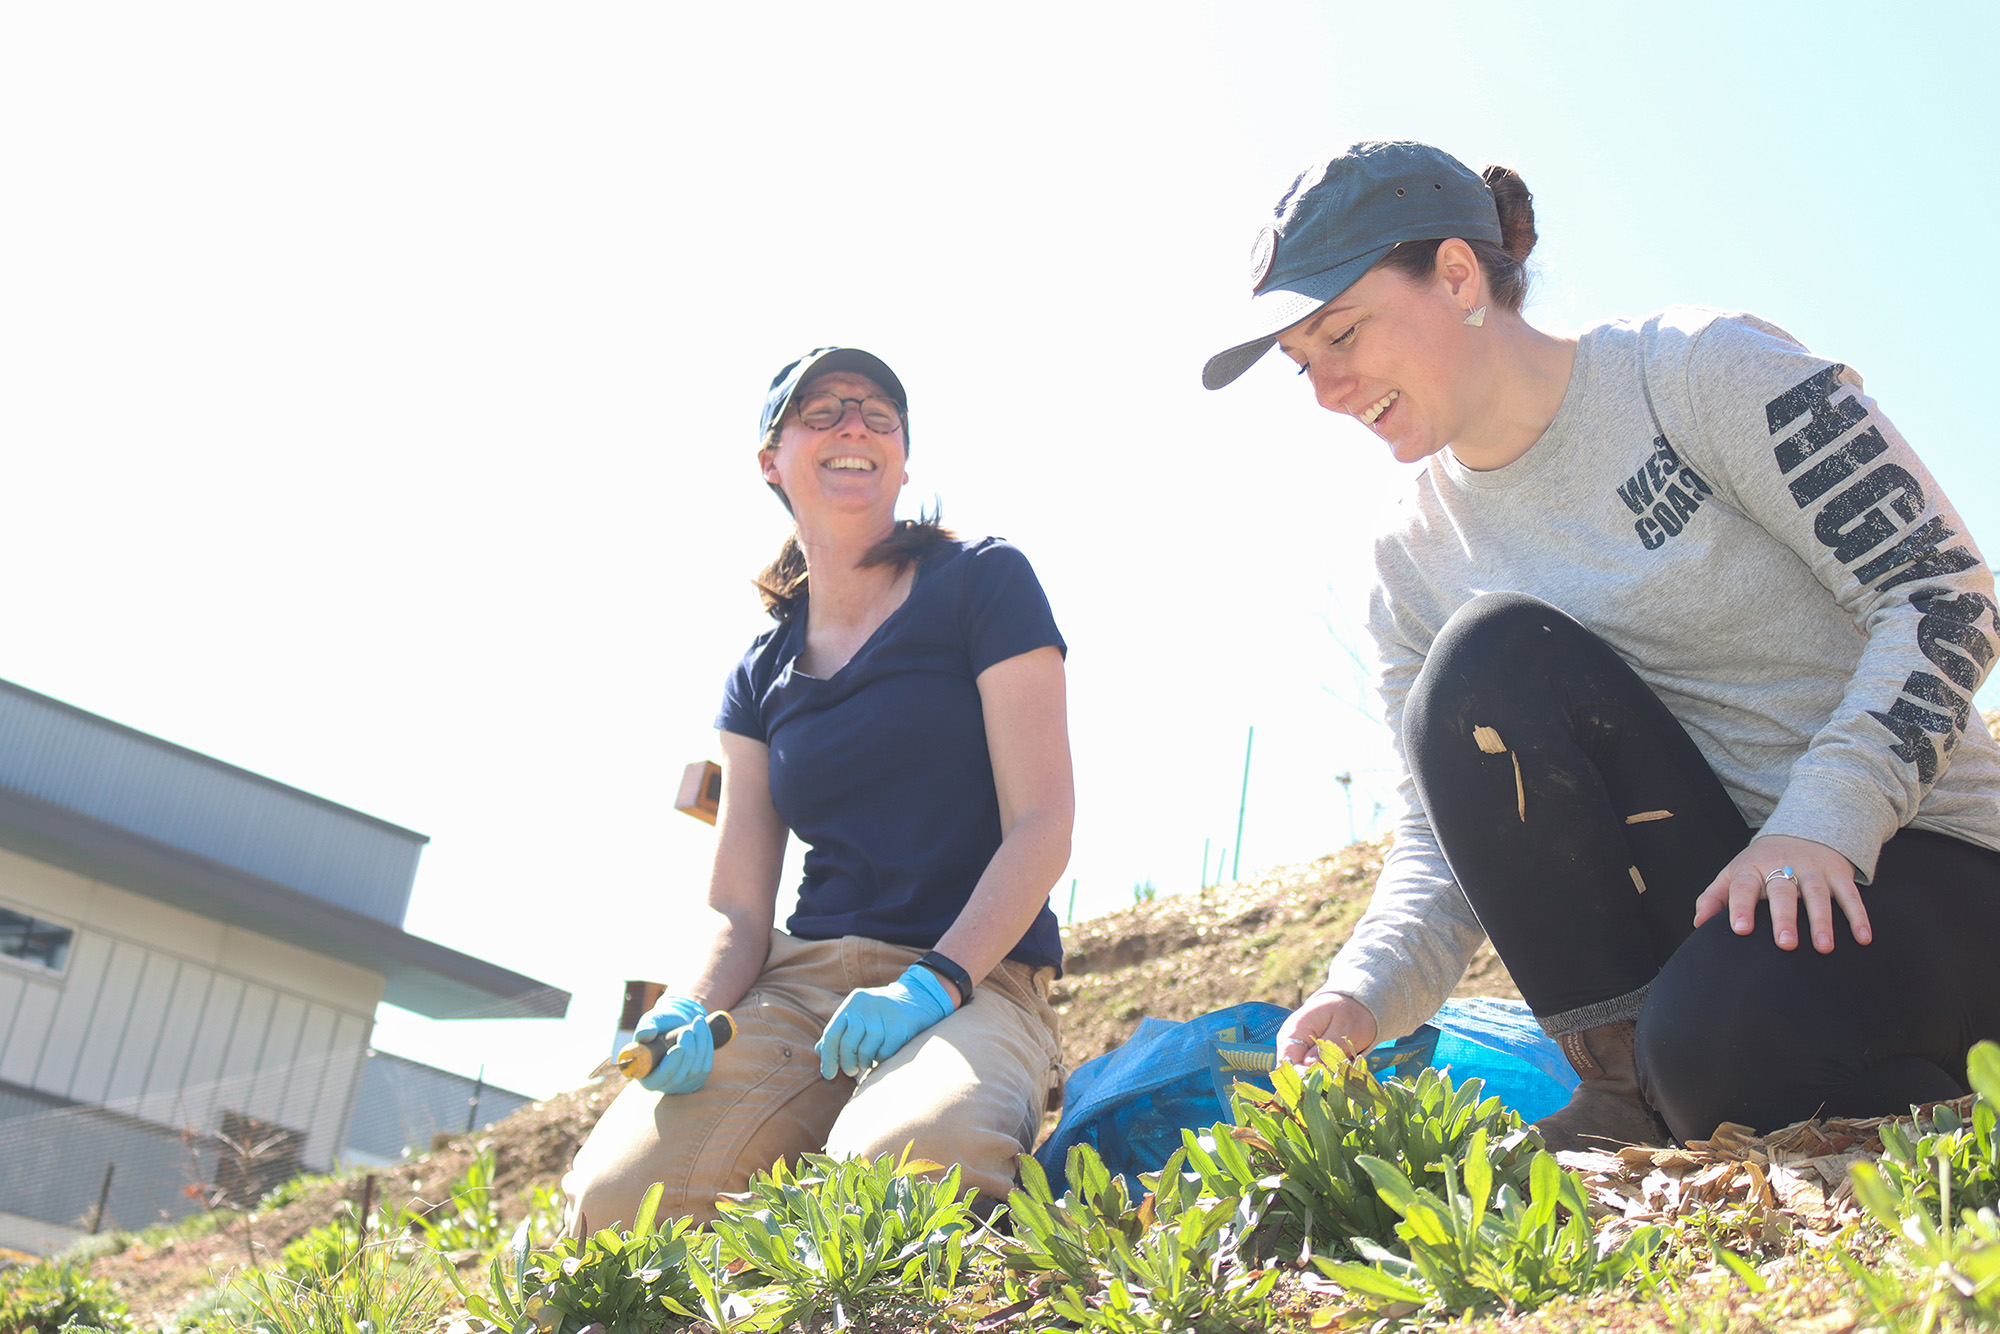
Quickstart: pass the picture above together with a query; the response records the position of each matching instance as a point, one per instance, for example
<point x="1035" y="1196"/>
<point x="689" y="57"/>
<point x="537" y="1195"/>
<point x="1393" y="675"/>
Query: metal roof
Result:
<point x="124" y="778"/>
<point x="158" y="819"/>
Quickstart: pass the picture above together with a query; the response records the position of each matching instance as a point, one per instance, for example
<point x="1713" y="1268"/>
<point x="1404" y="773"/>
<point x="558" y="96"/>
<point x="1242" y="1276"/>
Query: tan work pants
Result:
<point x="968" y="1090"/>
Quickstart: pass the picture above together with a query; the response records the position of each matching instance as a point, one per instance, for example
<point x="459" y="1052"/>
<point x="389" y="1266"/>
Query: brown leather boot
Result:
<point x="1606" y="1110"/>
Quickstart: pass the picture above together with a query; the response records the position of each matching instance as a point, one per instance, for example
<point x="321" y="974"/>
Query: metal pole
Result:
<point x="103" y="1196"/>
<point x="367" y="1207"/>
<point x="1204" y="861"/>
<point x="472" y="1106"/>
<point x="1072" y="900"/>
<point x="1236" y="863"/>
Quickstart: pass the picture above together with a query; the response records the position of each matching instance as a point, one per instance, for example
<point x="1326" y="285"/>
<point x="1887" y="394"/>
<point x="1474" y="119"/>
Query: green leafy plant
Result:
<point x="1184" y="1271"/>
<point x="1304" y="1140"/>
<point x="1963" y="1148"/>
<point x="468" y="1220"/>
<point x="834" y="1237"/>
<point x="46" y="1297"/>
<point x="1945" y="1267"/>
<point x="1519" y="1252"/>
<point x="1935" y="1199"/>
<point x="642" y="1281"/>
<point x="1068" y="1236"/>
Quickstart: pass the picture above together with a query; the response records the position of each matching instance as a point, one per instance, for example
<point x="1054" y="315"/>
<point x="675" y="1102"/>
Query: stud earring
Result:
<point x="1477" y="317"/>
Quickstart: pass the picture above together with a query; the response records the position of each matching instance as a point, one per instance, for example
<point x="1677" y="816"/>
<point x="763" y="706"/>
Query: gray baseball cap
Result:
<point x="1337" y="221"/>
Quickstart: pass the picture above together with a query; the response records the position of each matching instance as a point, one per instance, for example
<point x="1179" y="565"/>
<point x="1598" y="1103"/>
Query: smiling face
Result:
<point x="840" y="469"/>
<point x="1392" y="354"/>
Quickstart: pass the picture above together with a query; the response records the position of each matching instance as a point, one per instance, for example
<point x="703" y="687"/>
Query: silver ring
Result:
<point x="1782" y="873"/>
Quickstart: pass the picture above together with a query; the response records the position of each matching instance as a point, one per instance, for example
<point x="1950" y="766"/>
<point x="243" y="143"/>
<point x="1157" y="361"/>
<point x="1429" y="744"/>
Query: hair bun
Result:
<point x="1516" y="207"/>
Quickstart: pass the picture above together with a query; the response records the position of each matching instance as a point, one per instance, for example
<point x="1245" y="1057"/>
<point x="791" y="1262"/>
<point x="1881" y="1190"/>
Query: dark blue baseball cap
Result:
<point x="1337" y="221"/>
<point x="825" y="361"/>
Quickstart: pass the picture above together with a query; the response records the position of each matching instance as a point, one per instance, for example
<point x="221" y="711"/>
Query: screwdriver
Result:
<point x="635" y="1060"/>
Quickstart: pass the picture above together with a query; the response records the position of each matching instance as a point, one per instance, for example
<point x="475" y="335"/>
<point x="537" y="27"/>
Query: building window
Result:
<point x="33" y="941"/>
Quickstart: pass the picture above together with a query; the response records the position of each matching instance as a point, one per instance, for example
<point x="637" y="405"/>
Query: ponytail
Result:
<point x="782" y="584"/>
<point x="1506" y="264"/>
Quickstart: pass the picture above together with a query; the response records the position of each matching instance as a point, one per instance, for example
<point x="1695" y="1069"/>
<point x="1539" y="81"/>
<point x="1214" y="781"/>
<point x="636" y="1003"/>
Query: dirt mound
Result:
<point x="1262" y="940"/>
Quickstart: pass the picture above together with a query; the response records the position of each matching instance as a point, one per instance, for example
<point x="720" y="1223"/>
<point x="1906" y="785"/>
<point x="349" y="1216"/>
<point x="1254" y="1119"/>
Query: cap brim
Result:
<point x="1273" y="312"/>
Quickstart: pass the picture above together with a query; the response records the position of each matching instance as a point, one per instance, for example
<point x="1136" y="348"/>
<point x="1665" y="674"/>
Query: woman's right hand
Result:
<point x="686" y="1065"/>
<point x="1330" y="1016"/>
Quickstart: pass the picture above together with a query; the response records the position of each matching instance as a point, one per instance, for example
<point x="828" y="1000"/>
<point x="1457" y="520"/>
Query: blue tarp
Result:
<point x="1500" y="1042"/>
<point x="1132" y="1104"/>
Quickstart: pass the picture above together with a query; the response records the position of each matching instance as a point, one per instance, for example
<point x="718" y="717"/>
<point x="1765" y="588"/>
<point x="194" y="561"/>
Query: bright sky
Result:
<point x="378" y="381"/>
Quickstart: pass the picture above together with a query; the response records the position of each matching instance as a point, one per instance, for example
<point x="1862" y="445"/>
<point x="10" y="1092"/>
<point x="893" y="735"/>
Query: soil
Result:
<point x="1262" y="940"/>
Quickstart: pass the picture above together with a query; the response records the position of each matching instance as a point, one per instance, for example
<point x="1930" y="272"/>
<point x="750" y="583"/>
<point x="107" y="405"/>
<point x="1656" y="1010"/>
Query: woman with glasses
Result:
<point x="906" y="719"/>
<point x="1677" y="637"/>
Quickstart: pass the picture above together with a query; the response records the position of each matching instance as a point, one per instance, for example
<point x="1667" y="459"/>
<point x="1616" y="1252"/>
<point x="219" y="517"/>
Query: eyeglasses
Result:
<point x="880" y="415"/>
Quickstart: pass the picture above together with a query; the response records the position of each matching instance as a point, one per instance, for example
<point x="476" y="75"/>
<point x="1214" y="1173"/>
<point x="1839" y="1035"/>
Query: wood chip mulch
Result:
<point x="1793" y="1182"/>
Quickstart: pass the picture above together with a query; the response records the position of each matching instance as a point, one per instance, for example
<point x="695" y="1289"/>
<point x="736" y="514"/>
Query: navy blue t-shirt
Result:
<point x="882" y="769"/>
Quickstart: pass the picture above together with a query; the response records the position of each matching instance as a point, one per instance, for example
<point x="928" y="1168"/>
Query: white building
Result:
<point x="190" y="954"/>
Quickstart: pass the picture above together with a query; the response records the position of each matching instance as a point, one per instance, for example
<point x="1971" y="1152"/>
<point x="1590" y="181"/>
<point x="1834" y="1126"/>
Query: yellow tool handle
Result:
<point x="637" y="1059"/>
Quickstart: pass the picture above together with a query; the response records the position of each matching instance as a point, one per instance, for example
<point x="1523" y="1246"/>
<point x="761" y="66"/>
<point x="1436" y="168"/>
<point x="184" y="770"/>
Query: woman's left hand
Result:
<point x="1821" y="876"/>
<point x="874" y="1023"/>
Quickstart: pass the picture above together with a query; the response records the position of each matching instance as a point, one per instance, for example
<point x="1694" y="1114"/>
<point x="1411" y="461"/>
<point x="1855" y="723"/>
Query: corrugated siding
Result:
<point x="214" y="1031"/>
<point x="403" y="1103"/>
<point x="163" y="1040"/>
<point x="28" y="1031"/>
<point x="137" y="783"/>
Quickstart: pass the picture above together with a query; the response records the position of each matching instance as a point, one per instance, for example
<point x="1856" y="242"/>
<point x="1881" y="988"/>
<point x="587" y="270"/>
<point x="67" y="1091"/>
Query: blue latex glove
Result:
<point x="687" y="1063"/>
<point x="873" y="1023"/>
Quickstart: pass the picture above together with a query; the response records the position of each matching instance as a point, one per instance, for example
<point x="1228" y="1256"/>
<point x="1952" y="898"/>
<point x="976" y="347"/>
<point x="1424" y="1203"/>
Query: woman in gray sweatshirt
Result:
<point x="1679" y="641"/>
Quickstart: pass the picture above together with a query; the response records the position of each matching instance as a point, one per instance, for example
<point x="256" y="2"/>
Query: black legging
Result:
<point x="1731" y="1028"/>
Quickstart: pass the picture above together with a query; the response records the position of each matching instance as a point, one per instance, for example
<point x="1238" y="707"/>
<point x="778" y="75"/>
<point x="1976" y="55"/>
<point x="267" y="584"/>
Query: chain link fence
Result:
<point x="68" y="1168"/>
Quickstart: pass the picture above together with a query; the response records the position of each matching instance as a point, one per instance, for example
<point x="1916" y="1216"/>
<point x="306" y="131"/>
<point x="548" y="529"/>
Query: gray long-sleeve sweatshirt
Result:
<point x="1736" y="518"/>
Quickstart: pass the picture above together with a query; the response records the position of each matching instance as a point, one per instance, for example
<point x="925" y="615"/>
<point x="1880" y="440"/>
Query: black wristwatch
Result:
<point x="949" y="970"/>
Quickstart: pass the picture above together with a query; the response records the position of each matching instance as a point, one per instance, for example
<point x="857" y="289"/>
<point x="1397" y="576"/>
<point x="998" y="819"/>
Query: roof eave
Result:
<point x="419" y="975"/>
